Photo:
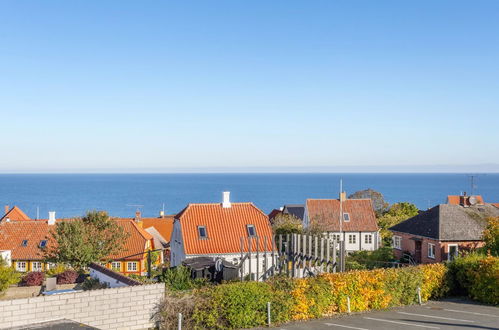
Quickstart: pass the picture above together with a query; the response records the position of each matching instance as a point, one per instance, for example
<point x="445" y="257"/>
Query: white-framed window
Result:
<point x="203" y="233"/>
<point x="36" y="266"/>
<point x="397" y="242"/>
<point x="21" y="266"/>
<point x="131" y="266"/>
<point x="368" y="239"/>
<point x="453" y="251"/>
<point x="346" y="217"/>
<point x="116" y="265"/>
<point x="251" y="230"/>
<point x="431" y="250"/>
<point x="352" y="239"/>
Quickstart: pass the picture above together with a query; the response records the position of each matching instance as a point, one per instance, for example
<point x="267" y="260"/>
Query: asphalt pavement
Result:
<point x="449" y="314"/>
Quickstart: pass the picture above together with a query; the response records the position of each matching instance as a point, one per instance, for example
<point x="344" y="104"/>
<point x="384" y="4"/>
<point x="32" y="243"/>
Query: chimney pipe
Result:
<point x="51" y="218"/>
<point x="226" y="200"/>
<point x="7" y="208"/>
<point x="137" y="216"/>
<point x="161" y="214"/>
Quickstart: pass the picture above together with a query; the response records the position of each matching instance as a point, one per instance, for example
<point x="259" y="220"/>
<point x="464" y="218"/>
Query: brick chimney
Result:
<point x="226" y="199"/>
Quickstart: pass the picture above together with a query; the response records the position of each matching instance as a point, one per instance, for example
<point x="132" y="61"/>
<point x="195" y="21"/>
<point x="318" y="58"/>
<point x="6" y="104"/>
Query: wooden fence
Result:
<point x="295" y="255"/>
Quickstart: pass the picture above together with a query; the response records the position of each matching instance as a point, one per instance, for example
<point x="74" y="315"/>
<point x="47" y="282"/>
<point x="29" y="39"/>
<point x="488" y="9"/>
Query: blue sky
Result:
<point x="269" y="85"/>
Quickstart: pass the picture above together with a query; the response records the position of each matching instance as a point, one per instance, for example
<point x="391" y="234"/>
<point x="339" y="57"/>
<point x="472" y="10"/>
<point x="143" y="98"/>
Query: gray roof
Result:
<point x="297" y="210"/>
<point x="447" y="222"/>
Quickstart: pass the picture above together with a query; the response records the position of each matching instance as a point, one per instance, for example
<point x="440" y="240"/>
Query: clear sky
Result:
<point x="167" y="86"/>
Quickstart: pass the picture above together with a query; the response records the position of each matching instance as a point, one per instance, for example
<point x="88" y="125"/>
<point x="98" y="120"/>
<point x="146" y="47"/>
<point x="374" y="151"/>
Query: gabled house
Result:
<point x="13" y="214"/>
<point x="26" y="240"/>
<point x="223" y="230"/>
<point x="357" y="227"/>
<point x="440" y="233"/>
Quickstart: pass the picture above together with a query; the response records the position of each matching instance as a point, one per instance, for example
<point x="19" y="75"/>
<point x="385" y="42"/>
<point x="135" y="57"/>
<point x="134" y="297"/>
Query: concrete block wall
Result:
<point x="118" y="308"/>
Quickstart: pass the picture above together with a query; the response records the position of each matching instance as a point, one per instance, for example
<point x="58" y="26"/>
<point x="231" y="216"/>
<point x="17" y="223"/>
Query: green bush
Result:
<point x="8" y="276"/>
<point x="179" y="278"/>
<point x="476" y="276"/>
<point x="93" y="284"/>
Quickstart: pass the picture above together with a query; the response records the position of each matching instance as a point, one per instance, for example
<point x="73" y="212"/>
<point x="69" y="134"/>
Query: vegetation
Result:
<point x="55" y="270"/>
<point x="491" y="236"/>
<point x="287" y="224"/>
<point x="179" y="279"/>
<point x="381" y="258"/>
<point x="379" y="203"/>
<point x="68" y="276"/>
<point x="397" y="213"/>
<point x="8" y="276"/>
<point x="93" y="284"/>
<point x="33" y="279"/>
<point x="243" y="304"/>
<point x="80" y="242"/>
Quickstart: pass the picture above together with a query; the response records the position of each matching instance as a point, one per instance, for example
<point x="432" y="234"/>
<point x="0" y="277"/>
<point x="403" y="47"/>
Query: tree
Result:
<point x="397" y="213"/>
<point x="377" y="199"/>
<point x="79" y="242"/>
<point x="287" y="224"/>
<point x="491" y="236"/>
<point x="8" y="276"/>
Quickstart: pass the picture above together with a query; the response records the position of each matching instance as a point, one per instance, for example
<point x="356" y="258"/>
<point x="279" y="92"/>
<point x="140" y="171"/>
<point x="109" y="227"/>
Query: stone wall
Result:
<point x="118" y="308"/>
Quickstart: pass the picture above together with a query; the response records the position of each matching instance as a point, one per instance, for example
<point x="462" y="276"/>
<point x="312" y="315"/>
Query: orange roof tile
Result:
<point x="15" y="214"/>
<point x="163" y="225"/>
<point x="135" y="245"/>
<point x="224" y="226"/>
<point x="327" y="213"/>
<point x="457" y="200"/>
<point x="495" y="204"/>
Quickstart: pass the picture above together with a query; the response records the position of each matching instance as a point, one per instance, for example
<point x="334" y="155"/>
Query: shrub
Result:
<point x="55" y="270"/>
<point x="33" y="279"/>
<point x="68" y="276"/>
<point x="93" y="284"/>
<point x="476" y="276"/>
<point x="167" y="311"/>
<point x="179" y="278"/>
<point x="8" y="276"/>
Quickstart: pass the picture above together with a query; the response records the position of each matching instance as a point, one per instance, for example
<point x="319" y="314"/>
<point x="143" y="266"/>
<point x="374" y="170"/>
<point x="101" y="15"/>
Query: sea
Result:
<point x="71" y="195"/>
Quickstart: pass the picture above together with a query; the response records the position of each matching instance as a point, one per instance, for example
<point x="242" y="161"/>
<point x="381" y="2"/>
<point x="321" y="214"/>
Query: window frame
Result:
<point x="205" y="232"/>
<point x="128" y="268"/>
<point x="116" y="268"/>
<point x="397" y="239"/>
<point x="431" y="247"/>
<point x="36" y="269"/>
<point x="24" y="242"/>
<point x="448" y="253"/>
<point x="368" y="239"/>
<point x="43" y="244"/>
<point x="19" y="269"/>
<point x="346" y="217"/>
<point x="352" y="239"/>
<point x="248" y="226"/>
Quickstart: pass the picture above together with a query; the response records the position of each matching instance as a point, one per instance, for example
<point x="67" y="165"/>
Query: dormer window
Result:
<point x="203" y="234"/>
<point x="43" y="243"/>
<point x="24" y="243"/>
<point x="251" y="230"/>
<point x="346" y="217"/>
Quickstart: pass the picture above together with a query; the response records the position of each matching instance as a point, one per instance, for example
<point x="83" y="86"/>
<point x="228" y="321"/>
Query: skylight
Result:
<point x="346" y="217"/>
<point x="203" y="234"/>
<point x="43" y="243"/>
<point x="25" y="242"/>
<point x="251" y="230"/>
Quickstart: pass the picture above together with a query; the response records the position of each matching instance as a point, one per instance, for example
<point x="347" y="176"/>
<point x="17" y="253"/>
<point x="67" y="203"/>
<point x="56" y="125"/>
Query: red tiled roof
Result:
<point x="163" y="225"/>
<point x="15" y="214"/>
<point x="13" y="233"/>
<point x="456" y="200"/>
<point x="224" y="226"/>
<point x="495" y="204"/>
<point x="327" y="213"/>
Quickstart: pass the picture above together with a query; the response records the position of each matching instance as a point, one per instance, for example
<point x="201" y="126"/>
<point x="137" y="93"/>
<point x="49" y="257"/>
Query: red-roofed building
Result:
<point x="358" y="227"/>
<point x="215" y="230"/>
<point x="14" y="214"/>
<point x="27" y="238"/>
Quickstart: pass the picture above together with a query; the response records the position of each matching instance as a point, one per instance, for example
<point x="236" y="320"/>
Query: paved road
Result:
<point x="451" y="314"/>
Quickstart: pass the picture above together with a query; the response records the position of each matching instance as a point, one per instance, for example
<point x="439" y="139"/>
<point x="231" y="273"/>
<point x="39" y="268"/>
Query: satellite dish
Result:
<point x="472" y="200"/>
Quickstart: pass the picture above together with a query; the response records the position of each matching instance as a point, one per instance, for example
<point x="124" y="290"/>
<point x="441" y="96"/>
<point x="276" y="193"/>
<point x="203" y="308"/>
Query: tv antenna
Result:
<point x="473" y="185"/>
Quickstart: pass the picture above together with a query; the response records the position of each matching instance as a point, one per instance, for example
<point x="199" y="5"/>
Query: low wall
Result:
<point x="16" y="292"/>
<point x="118" y="308"/>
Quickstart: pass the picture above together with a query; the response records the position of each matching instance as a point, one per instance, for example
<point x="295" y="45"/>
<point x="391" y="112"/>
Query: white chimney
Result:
<point x="226" y="199"/>
<point x="51" y="218"/>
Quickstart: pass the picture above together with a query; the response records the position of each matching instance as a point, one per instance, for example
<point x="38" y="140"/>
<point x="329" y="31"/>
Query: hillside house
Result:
<point x="357" y="228"/>
<point x="440" y="233"/>
<point x="216" y="231"/>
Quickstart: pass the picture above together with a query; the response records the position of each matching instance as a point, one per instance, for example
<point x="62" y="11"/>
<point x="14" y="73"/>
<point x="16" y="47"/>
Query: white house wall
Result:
<point x="103" y="278"/>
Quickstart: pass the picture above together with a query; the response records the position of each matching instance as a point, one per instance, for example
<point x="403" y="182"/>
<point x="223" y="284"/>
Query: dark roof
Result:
<point x="113" y="274"/>
<point x="199" y="263"/>
<point x="297" y="210"/>
<point x="448" y="222"/>
<point x="274" y="213"/>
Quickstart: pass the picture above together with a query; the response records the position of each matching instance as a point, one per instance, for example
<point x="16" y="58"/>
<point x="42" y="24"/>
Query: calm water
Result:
<point x="73" y="194"/>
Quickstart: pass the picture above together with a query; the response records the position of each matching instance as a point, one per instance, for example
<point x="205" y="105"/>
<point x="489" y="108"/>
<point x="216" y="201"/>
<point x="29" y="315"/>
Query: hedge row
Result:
<point x="243" y="304"/>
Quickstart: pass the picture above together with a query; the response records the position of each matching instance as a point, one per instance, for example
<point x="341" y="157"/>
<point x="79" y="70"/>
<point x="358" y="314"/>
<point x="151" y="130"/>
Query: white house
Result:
<point x="224" y="230"/>
<point x="355" y="223"/>
<point x="109" y="277"/>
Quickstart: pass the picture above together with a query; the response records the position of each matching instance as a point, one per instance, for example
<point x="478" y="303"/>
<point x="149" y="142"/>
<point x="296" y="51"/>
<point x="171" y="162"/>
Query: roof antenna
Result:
<point x="472" y="183"/>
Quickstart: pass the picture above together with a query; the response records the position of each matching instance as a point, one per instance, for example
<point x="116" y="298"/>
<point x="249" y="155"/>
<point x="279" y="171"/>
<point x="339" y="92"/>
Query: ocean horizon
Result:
<point x="121" y="194"/>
